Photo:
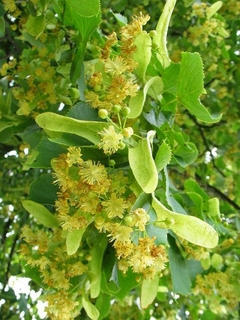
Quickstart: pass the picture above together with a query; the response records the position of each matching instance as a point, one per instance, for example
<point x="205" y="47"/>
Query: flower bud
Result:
<point x="102" y="113"/>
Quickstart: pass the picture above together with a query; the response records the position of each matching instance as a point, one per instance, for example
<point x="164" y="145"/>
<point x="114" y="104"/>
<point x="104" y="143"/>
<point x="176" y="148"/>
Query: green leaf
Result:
<point x="192" y="186"/>
<point x="103" y="304"/>
<point x="187" y="227"/>
<point x="149" y="291"/>
<point x="143" y="53"/>
<point x="57" y="123"/>
<point x="35" y="25"/>
<point x="136" y="103"/>
<point x="163" y="156"/>
<point x="46" y="151"/>
<point x="170" y="78"/>
<point x="190" y="87"/>
<point x="2" y="27"/>
<point x="90" y="309"/>
<point x="42" y="214"/>
<point x="122" y="20"/>
<point x="186" y="154"/>
<point x="179" y="269"/>
<point x="143" y="165"/>
<point x="84" y="15"/>
<point x="86" y="8"/>
<point x="73" y="240"/>
<point x="43" y="190"/>
<point x="126" y="283"/>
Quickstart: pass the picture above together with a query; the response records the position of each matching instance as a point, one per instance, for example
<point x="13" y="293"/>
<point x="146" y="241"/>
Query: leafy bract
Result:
<point x="160" y="38"/>
<point x="149" y="291"/>
<point x="190" y="87"/>
<point x="136" y="103"/>
<point x="187" y="227"/>
<point x="57" y="123"/>
<point x="143" y="53"/>
<point x="95" y="266"/>
<point x="42" y="214"/>
<point x="73" y="240"/>
<point x="143" y="165"/>
<point x="90" y="309"/>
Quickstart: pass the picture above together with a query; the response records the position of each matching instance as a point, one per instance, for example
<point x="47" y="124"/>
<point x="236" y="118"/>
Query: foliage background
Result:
<point x="45" y="51"/>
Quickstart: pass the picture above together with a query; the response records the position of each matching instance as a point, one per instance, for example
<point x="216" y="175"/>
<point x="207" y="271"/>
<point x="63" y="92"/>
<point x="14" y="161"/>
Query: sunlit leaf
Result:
<point x="163" y="156"/>
<point x="190" y="87"/>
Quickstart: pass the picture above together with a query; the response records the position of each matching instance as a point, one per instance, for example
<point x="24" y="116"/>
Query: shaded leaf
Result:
<point x="179" y="269"/>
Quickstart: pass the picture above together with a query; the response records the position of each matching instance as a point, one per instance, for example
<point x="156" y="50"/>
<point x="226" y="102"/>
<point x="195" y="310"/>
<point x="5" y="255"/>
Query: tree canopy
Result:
<point x="120" y="158"/>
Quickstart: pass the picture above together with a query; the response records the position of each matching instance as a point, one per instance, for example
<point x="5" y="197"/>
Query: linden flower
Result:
<point x="74" y="156"/>
<point x="116" y="66"/>
<point x="140" y="218"/>
<point x="119" y="232"/>
<point x="115" y="207"/>
<point x="110" y="140"/>
<point x="92" y="173"/>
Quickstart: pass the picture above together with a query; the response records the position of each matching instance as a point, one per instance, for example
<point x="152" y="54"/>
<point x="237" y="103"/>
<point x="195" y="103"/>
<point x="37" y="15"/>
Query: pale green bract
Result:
<point x="136" y="103"/>
<point x="40" y="213"/>
<point x="73" y="240"/>
<point x="149" y="291"/>
<point x="57" y="123"/>
<point x="187" y="227"/>
<point x="160" y="38"/>
<point x="90" y="309"/>
<point x="143" y="53"/>
<point x="142" y="164"/>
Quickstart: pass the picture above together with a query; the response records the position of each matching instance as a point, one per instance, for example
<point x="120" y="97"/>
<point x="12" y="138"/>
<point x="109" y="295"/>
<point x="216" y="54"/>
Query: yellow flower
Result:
<point x="140" y="218"/>
<point x="116" y="66"/>
<point x="92" y="173"/>
<point x="110" y="140"/>
<point x="9" y="5"/>
<point x="74" y="156"/>
<point x="118" y="232"/>
<point x="114" y="206"/>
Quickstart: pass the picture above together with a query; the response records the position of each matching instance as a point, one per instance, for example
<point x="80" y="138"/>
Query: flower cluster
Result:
<point x="219" y="288"/>
<point x="94" y="199"/>
<point x="111" y="81"/>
